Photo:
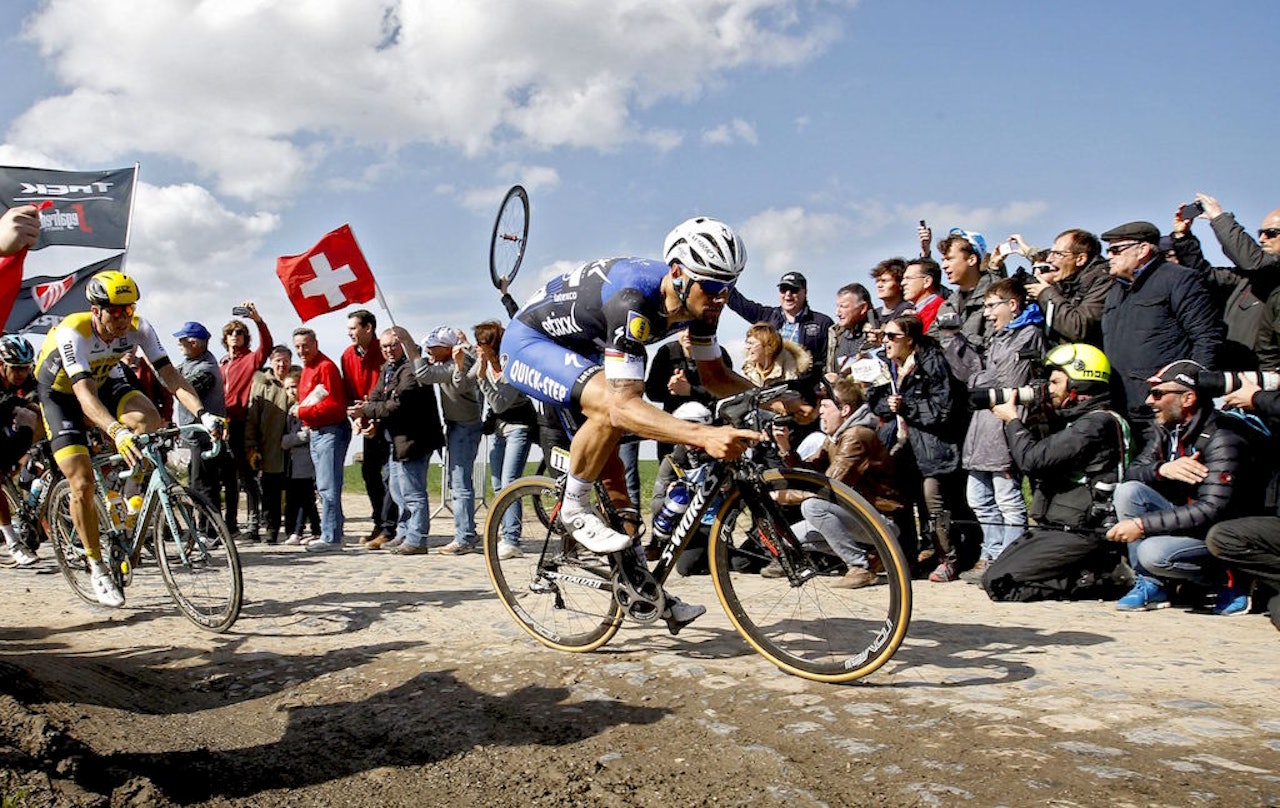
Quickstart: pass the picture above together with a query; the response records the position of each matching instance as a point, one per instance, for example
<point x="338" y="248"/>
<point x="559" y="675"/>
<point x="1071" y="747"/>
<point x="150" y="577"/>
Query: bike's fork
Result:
<point x="774" y="534"/>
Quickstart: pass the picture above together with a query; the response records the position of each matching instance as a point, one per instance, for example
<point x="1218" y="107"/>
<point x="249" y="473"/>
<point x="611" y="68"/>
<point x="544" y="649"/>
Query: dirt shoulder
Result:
<point x="367" y="679"/>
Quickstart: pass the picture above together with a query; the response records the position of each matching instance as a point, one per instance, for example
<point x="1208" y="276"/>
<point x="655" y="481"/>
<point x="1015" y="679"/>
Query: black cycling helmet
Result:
<point x="16" y="351"/>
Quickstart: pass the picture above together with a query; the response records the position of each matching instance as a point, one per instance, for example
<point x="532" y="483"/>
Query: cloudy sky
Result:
<point x="822" y="129"/>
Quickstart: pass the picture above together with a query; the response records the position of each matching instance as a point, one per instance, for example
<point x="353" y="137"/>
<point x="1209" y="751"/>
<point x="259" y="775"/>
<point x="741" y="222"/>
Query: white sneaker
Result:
<point x="508" y="550"/>
<point x="592" y="533"/>
<point x="21" y="555"/>
<point x="679" y="614"/>
<point x="104" y="586"/>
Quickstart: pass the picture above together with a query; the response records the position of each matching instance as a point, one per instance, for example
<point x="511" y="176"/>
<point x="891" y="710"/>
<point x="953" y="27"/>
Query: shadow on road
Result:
<point x="429" y="718"/>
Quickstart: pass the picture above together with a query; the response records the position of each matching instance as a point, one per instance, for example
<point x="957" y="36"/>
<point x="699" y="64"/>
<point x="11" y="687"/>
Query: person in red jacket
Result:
<point x="238" y="367"/>
<point x="322" y="407"/>
<point x="361" y="368"/>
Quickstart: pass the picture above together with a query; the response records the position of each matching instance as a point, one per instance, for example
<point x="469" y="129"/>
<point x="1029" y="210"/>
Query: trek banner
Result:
<point x="89" y="208"/>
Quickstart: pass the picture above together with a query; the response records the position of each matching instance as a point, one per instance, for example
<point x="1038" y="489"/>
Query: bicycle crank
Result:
<point x="636" y="590"/>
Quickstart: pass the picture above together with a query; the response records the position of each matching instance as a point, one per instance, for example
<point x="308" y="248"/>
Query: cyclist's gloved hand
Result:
<point x="214" y="424"/>
<point x="124" y="440"/>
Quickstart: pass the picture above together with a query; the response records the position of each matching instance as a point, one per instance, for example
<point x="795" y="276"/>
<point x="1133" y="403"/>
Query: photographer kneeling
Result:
<point x="1073" y="470"/>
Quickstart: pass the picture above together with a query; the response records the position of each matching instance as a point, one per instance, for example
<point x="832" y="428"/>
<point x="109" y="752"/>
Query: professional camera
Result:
<point x="1220" y="383"/>
<point x="1035" y="396"/>
<point x="1102" y="509"/>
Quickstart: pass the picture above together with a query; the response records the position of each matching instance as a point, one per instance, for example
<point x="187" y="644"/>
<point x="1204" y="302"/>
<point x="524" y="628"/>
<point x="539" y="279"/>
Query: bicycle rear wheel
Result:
<point x="200" y="565"/>
<point x="812" y="628"/>
<point x="25" y="525"/>
<point x="67" y="548"/>
<point x="560" y="595"/>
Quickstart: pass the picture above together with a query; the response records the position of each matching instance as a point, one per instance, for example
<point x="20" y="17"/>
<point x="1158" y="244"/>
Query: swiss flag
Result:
<point x="330" y="276"/>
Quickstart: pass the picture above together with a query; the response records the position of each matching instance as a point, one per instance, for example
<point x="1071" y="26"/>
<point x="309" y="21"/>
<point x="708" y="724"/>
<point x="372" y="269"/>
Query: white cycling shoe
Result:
<point x="21" y="555"/>
<point x="104" y="586"/>
<point x="592" y="533"/>
<point x="679" y="614"/>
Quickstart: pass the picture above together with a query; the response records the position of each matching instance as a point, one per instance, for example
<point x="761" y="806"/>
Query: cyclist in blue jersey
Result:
<point x="579" y="343"/>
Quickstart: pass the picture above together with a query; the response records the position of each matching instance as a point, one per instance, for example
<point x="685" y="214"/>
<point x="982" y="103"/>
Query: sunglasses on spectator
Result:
<point x="788" y="290"/>
<point x="237" y="332"/>
<point x="1269" y="232"/>
<point x="1116" y="249"/>
<point x="1156" y="393"/>
<point x="891" y="336"/>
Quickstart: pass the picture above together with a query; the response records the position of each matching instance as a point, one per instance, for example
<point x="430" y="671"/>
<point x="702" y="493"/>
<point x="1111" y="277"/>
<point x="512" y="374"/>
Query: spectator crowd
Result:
<point x="1090" y="418"/>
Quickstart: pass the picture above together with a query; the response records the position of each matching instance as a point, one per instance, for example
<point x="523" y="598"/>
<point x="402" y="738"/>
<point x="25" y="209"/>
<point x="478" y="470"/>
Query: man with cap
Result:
<point x="793" y="318"/>
<point x="202" y="371"/>
<point x="447" y="363"/>
<point x="1155" y="313"/>
<point x="1193" y="473"/>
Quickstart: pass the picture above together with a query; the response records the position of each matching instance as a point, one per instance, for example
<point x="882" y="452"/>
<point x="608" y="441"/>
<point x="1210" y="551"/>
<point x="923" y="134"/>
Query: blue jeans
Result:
<point x="507" y="456"/>
<point x="407" y="485"/>
<point x="1153" y="557"/>
<point x="464" y="443"/>
<point x="329" y="454"/>
<point x="828" y="523"/>
<point x="630" y="454"/>
<point x="996" y="499"/>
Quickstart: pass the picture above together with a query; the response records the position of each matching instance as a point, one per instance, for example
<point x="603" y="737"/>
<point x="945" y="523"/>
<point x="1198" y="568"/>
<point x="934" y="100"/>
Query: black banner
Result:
<point x="44" y="301"/>
<point x="90" y="208"/>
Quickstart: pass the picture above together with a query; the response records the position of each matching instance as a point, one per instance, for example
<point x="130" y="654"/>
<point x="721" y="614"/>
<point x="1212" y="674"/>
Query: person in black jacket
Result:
<point x="1073" y="470"/>
<point x="1193" y="473"/>
<point x="793" y="318"/>
<point x="1073" y="293"/>
<point x="925" y="412"/>
<point x="1252" y="544"/>
<point x="409" y="419"/>
<point x="1155" y="313"/>
<point x="1238" y="291"/>
<point x="673" y="380"/>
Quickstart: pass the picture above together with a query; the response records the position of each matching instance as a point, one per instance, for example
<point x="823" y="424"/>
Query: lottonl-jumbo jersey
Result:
<point x="612" y="307"/>
<point x="74" y="351"/>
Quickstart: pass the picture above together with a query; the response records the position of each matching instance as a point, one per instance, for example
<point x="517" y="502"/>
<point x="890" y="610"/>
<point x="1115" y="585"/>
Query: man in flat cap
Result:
<point x="1155" y="313"/>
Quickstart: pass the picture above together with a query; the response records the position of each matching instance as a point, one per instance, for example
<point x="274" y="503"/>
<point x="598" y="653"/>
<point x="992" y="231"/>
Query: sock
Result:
<point x="577" y="497"/>
<point x="10" y="538"/>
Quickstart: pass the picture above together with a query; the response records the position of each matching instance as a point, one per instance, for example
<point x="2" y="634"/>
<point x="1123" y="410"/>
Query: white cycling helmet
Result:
<point x="708" y="250"/>
<point x="693" y="412"/>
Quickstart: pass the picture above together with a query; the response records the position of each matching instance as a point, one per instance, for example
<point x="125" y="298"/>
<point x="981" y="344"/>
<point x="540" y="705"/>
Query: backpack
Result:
<point x="1058" y="565"/>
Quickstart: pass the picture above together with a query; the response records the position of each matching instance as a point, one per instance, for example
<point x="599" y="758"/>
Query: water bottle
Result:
<point x="676" y="503"/>
<point x="131" y="507"/>
<point x="115" y="508"/>
<point x="37" y="487"/>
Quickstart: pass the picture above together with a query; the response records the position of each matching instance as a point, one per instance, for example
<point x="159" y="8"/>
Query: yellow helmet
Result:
<point x="111" y="288"/>
<point x="1084" y="364"/>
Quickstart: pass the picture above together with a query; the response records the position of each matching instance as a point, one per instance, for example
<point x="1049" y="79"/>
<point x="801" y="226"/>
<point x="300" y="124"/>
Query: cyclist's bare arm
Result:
<point x="626" y="410"/>
<point x="86" y="391"/>
<point x="720" y="380"/>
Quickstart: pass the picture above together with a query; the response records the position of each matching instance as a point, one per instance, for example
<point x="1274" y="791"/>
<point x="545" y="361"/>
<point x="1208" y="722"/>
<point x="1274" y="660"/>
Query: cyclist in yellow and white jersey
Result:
<point x="81" y="384"/>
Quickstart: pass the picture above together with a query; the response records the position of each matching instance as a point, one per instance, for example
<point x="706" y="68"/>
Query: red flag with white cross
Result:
<point x="331" y="275"/>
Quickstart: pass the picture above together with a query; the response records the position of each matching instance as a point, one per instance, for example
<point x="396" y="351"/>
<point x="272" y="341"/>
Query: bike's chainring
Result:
<point x="636" y="590"/>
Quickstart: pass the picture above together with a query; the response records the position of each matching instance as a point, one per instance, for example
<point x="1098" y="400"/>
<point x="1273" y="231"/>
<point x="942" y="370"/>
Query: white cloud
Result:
<point x="533" y="178"/>
<point x="789" y="238"/>
<point x="727" y="133"/>
<point x="256" y="95"/>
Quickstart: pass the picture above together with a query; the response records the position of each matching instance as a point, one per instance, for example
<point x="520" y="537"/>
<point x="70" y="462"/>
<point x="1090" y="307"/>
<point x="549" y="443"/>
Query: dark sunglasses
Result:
<point x="237" y="331"/>
<point x="1269" y="232"/>
<point x="1157" y="394"/>
<point x="1116" y="249"/>
<point x="714" y="288"/>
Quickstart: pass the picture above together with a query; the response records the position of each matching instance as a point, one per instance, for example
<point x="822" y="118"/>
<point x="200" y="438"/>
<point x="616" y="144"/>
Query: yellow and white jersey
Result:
<point x="73" y="351"/>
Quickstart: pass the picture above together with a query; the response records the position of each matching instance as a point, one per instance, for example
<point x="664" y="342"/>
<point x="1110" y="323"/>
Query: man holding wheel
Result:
<point x="579" y="343"/>
<point x="80" y="381"/>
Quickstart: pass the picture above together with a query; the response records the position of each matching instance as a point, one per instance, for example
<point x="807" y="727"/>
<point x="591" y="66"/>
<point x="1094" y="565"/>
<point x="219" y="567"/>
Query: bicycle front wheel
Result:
<point x="815" y="628"/>
<point x="560" y="595"/>
<point x="67" y="549"/>
<point x="198" y="561"/>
